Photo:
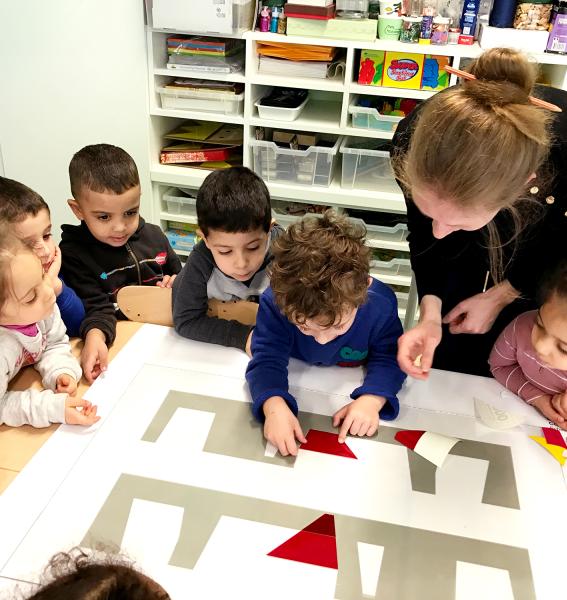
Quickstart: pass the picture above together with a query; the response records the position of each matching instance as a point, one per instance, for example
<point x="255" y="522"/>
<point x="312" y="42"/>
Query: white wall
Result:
<point x="72" y="73"/>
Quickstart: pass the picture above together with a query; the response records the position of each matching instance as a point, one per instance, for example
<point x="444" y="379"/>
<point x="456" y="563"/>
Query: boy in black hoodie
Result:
<point x="112" y="247"/>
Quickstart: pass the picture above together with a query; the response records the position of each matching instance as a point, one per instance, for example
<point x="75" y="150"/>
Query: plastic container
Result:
<point x="178" y="204"/>
<point x="181" y="240"/>
<point x="389" y="27"/>
<point x="367" y="166"/>
<point x="187" y="99"/>
<point x="382" y="236"/>
<point x="285" y="219"/>
<point x="390" y="7"/>
<point x="370" y="118"/>
<point x="313" y="166"/>
<point x="396" y="271"/>
<point x="533" y="15"/>
<point x="411" y="28"/>
<point x="440" y="31"/>
<point x="278" y="113"/>
<point x="352" y="9"/>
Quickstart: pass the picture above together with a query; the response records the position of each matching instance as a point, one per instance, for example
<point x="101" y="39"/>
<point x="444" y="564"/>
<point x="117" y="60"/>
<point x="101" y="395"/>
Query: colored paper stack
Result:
<point x="205" y="54"/>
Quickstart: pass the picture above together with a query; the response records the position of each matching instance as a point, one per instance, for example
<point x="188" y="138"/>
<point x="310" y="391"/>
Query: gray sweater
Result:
<point x="50" y="353"/>
<point x="201" y="280"/>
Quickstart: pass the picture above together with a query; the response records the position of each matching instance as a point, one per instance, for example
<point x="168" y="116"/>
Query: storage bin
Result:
<point x="370" y="118"/>
<point x="313" y="166"/>
<point x="181" y="240"/>
<point x="380" y="236"/>
<point x="285" y="219"/>
<point x="396" y="271"/>
<point x="179" y="204"/>
<point x="277" y="113"/>
<point x="367" y="166"/>
<point x="187" y="99"/>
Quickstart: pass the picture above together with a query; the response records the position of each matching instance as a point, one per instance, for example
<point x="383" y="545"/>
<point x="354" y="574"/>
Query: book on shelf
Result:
<point x="206" y="86"/>
<point x="199" y="154"/>
<point x="203" y="46"/>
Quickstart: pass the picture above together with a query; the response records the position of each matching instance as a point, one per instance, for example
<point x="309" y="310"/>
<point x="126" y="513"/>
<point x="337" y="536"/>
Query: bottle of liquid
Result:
<point x="274" y="21"/>
<point x="502" y="13"/>
<point x="282" y="22"/>
<point x="265" y="19"/>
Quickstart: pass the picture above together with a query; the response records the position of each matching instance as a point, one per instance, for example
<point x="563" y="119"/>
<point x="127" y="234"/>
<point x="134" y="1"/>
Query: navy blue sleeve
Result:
<point x="71" y="309"/>
<point x="384" y="377"/>
<point x="271" y="348"/>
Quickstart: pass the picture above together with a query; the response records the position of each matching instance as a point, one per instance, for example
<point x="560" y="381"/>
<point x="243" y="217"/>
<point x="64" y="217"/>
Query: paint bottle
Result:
<point x="274" y="21"/>
<point x="428" y="11"/>
<point x="282" y="22"/>
<point x="265" y="19"/>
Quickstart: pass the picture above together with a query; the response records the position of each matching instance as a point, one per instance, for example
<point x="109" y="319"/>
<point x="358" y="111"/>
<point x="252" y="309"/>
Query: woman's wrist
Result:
<point x="430" y="309"/>
<point x="503" y="293"/>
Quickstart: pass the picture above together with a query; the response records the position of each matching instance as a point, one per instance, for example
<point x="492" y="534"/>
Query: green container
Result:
<point x="389" y="27"/>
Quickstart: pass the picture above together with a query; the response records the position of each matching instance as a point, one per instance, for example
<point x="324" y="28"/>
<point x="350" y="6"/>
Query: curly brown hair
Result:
<point x="320" y="268"/>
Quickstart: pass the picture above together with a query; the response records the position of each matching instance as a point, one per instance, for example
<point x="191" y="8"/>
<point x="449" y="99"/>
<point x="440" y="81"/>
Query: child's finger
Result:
<point x="78" y="403"/>
<point x="372" y="429"/>
<point x="558" y="406"/>
<point x="298" y="432"/>
<point x="291" y="446"/>
<point x="344" y="429"/>
<point x="339" y="416"/>
<point x="355" y="427"/>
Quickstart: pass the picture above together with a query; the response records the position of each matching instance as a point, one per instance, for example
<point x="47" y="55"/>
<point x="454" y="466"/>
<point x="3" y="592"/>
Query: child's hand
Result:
<point x="86" y="417"/>
<point x="559" y="403"/>
<point x="94" y="357"/>
<point x="249" y="344"/>
<point x="167" y="281"/>
<point x="53" y="272"/>
<point x="359" y="417"/>
<point x="282" y="427"/>
<point x="546" y="407"/>
<point x="66" y="384"/>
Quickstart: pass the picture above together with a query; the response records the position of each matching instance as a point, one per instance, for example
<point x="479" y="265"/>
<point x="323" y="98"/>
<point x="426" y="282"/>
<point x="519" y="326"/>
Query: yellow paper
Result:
<point x="555" y="451"/>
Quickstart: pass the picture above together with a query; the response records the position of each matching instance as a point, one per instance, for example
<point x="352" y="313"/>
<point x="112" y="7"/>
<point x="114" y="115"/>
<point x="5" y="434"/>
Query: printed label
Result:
<point x="403" y="69"/>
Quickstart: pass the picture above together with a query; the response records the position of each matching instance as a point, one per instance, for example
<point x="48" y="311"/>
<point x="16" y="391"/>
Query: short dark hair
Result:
<point x="320" y="267"/>
<point x="233" y="200"/>
<point x="554" y="282"/>
<point x="102" y="168"/>
<point x="18" y="201"/>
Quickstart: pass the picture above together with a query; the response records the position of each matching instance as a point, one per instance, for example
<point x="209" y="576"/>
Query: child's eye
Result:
<point x="103" y="217"/>
<point x="225" y="253"/>
<point x="253" y="249"/>
<point x="562" y="350"/>
<point x="31" y="300"/>
<point x="131" y="213"/>
<point x="46" y="237"/>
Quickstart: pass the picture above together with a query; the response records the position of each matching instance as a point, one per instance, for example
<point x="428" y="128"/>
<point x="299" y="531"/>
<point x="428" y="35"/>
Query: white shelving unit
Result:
<point x="326" y="113"/>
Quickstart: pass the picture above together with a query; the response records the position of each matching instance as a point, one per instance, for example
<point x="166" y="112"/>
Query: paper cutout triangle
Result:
<point x="555" y="451"/>
<point x="326" y="443"/>
<point x="434" y="447"/>
<point x="314" y="545"/>
<point x="554" y="437"/>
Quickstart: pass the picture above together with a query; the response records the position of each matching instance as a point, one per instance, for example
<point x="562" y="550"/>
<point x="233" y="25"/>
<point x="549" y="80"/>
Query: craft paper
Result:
<point x="314" y="545"/>
<point x="554" y="437"/>
<point x="432" y="446"/>
<point x="555" y="451"/>
<point x="326" y="443"/>
<point x="496" y="418"/>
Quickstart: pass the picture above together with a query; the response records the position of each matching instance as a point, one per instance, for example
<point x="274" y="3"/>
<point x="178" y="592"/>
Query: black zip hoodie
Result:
<point x="96" y="271"/>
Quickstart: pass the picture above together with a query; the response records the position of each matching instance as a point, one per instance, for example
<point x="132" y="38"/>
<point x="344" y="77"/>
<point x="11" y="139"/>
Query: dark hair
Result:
<point x="76" y="576"/>
<point x="233" y="200"/>
<point x="18" y="201"/>
<point x="320" y="268"/>
<point x="102" y="168"/>
<point x="553" y="283"/>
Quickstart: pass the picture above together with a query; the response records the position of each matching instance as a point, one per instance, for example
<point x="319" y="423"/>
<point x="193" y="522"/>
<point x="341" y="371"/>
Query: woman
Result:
<point x="484" y="173"/>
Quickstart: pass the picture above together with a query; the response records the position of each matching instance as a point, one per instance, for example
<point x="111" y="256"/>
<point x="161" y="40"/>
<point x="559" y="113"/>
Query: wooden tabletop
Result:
<point x="19" y="444"/>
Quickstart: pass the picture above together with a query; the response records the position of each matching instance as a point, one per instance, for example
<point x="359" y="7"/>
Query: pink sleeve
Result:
<point x="505" y="368"/>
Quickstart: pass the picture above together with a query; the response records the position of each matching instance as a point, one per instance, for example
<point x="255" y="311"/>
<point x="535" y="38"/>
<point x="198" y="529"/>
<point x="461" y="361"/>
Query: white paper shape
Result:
<point x="435" y="447"/>
<point x="496" y="418"/>
<point x="370" y="560"/>
<point x="479" y="581"/>
<point x="271" y="450"/>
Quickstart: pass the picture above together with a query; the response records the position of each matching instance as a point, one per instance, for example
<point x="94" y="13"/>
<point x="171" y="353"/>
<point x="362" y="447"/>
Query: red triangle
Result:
<point x="311" y="545"/>
<point x="554" y="437"/>
<point x="409" y="437"/>
<point x="326" y="443"/>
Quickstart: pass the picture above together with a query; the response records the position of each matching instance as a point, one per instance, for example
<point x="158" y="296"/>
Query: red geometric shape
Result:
<point x="554" y="437"/>
<point x="311" y="546"/>
<point x="409" y="437"/>
<point x="326" y="443"/>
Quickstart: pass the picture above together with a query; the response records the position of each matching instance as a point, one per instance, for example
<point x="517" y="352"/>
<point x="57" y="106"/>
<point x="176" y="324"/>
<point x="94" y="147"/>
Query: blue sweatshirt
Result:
<point x="371" y="340"/>
<point x="71" y="309"/>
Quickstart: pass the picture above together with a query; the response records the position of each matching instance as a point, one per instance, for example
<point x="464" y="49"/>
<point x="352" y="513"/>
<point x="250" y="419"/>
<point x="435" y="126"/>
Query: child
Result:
<point x="234" y="217"/>
<point x="75" y="576"/>
<point x="324" y="309"/>
<point x="530" y="356"/>
<point x="32" y="333"/>
<point x="112" y="247"/>
<point x="27" y="216"/>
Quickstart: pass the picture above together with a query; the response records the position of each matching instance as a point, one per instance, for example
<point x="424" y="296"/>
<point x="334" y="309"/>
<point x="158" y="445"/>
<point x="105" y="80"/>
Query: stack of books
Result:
<point x="205" y="54"/>
<point x="294" y="60"/>
<point x="310" y="9"/>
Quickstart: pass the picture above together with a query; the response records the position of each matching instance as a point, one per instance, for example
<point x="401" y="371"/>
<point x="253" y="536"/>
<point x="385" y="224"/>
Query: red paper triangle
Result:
<point x="326" y="443"/>
<point x="409" y="437"/>
<point x="554" y="437"/>
<point x="311" y="546"/>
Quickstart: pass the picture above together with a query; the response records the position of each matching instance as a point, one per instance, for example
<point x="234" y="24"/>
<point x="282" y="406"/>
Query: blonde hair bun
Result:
<point x="505" y="65"/>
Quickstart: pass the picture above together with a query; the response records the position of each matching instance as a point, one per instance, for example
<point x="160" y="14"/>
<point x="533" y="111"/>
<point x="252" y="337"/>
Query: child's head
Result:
<point x="106" y="192"/>
<point x="234" y="217"/>
<point x="319" y="274"/>
<point x="27" y="216"/>
<point x="26" y="293"/>
<point x="75" y="576"/>
<point x="549" y="334"/>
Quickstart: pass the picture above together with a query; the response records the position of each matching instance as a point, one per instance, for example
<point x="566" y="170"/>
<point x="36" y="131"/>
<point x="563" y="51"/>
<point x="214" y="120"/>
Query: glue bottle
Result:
<point x="265" y="19"/>
<point x="274" y="21"/>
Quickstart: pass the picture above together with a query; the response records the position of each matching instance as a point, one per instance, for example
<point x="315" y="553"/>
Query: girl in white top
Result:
<point x="32" y="333"/>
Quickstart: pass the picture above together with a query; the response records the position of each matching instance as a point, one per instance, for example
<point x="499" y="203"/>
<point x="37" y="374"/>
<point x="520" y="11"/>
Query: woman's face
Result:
<point x="446" y="216"/>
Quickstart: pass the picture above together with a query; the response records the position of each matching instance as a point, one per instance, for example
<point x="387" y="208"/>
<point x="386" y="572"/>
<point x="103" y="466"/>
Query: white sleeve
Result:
<point x="57" y="358"/>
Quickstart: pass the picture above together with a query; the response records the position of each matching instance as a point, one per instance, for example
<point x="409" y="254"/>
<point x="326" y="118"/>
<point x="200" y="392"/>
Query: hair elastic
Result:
<point x="532" y="99"/>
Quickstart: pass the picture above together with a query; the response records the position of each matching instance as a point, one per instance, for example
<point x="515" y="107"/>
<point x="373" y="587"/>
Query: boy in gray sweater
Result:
<point x="230" y="263"/>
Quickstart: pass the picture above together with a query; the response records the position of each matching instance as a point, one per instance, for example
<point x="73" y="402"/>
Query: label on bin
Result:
<point x="403" y="69"/>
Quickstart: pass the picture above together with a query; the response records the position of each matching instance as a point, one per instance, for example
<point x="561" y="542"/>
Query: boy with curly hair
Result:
<point x="323" y="308"/>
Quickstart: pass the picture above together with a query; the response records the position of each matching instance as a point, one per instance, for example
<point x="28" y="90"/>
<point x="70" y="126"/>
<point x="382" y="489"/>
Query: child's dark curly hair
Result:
<point x="77" y="576"/>
<point x="554" y="283"/>
<point x="320" y="268"/>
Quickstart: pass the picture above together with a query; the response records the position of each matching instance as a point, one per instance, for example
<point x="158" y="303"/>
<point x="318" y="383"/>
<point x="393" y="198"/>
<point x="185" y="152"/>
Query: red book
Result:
<point x="197" y="156"/>
<point x="303" y="11"/>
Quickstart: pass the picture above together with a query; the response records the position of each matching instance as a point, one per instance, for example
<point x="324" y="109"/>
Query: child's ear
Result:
<point x="202" y="236"/>
<point x="370" y="280"/>
<point x="76" y="208"/>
